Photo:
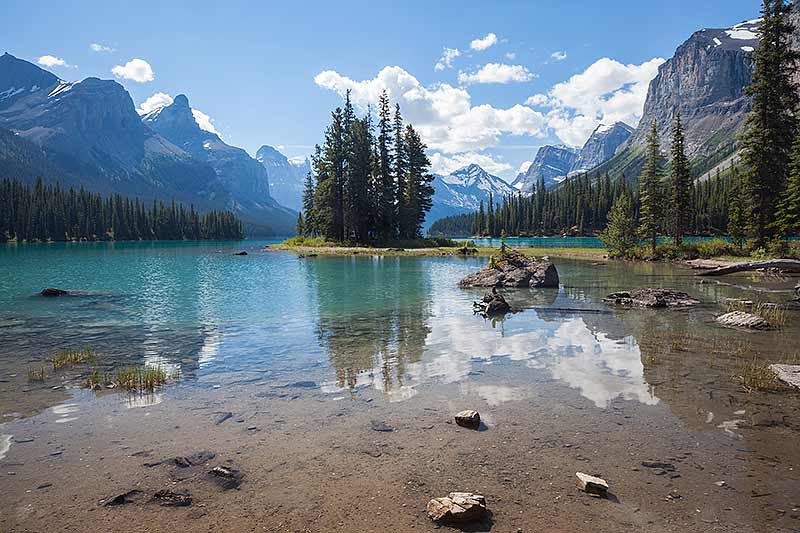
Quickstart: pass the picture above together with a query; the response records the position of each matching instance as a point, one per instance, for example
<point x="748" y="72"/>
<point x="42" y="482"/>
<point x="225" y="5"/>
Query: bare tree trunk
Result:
<point x="792" y="265"/>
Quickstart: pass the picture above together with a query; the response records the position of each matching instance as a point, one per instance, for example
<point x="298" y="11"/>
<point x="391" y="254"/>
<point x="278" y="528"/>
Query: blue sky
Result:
<point x="538" y="72"/>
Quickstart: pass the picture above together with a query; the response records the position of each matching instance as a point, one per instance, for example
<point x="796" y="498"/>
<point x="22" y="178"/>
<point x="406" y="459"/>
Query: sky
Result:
<point x="483" y="82"/>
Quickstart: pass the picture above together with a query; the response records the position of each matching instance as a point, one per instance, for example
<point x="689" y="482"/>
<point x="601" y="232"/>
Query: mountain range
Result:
<point x="88" y="133"/>
<point x="286" y="176"/>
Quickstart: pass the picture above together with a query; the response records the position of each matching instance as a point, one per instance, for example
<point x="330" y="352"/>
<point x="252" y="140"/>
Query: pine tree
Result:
<point x="787" y="215"/>
<point x="383" y="177"/>
<point x="737" y="211"/>
<point x="650" y="191"/>
<point x="681" y="184"/>
<point x="620" y="234"/>
<point x="308" y="207"/>
<point x="299" y="227"/>
<point x="402" y="213"/>
<point x="419" y="191"/>
<point x="771" y="125"/>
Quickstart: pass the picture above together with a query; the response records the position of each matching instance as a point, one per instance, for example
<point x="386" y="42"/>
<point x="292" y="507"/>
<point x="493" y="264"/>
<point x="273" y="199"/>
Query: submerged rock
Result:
<point x="194" y="459"/>
<point x="592" y="485"/>
<point x="227" y="478"/>
<point x="241" y="253"/>
<point x="469" y="419"/>
<point x="381" y="426"/>
<point x="512" y="269"/>
<point x="167" y="498"/>
<point x="788" y="374"/>
<point x="122" y="499"/>
<point x="740" y="319"/>
<point x="655" y="298"/>
<point x="52" y="291"/>
<point x="457" y="507"/>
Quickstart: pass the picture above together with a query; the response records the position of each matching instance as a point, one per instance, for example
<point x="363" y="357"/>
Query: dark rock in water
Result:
<point x="469" y="419"/>
<point x="457" y="507"/>
<point x="301" y="385"/>
<point x="167" y="498"/>
<point x="655" y="298"/>
<point x="512" y="269"/>
<point x="241" y="253"/>
<point x="51" y="291"/>
<point x="225" y="477"/>
<point x="661" y="466"/>
<point x="492" y="305"/>
<point x="222" y="418"/>
<point x="122" y="499"/>
<point x="194" y="459"/>
<point x="740" y="319"/>
<point x="380" y="425"/>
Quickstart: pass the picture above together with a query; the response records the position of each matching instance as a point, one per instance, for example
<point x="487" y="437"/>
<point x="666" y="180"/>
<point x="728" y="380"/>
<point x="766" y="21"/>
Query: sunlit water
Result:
<point x="390" y="324"/>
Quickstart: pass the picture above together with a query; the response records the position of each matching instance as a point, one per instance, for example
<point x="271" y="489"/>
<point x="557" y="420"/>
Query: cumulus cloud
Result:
<point x="446" y="61"/>
<point x="97" y="47"/>
<point x="444" y="115"/>
<point x="524" y="167"/>
<point x="606" y="92"/>
<point x="484" y="42"/>
<point x="52" y="61"/>
<point x="137" y="70"/>
<point x="496" y="73"/>
<point x="205" y="122"/>
<point x="154" y="102"/>
<point x="559" y="55"/>
<point x="444" y="164"/>
<point x="511" y="55"/>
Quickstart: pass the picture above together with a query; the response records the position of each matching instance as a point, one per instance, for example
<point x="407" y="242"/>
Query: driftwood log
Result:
<point x="790" y="265"/>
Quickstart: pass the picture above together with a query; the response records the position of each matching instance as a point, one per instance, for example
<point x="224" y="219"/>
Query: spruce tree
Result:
<point x="620" y="234"/>
<point x="681" y="185"/>
<point x="787" y="215"/>
<point x="299" y="227"/>
<point x="384" y="182"/>
<point x="419" y="191"/>
<point x="650" y="201"/>
<point x="402" y="215"/>
<point x="771" y="126"/>
<point x="737" y="211"/>
<point x="308" y="206"/>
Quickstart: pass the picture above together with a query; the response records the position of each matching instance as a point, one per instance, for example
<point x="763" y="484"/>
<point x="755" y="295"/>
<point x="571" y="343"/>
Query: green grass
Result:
<point x="71" y="357"/>
<point x="754" y="374"/>
<point x="142" y="378"/>
<point x="37" y="374"/>
<point x="773" y="313"/>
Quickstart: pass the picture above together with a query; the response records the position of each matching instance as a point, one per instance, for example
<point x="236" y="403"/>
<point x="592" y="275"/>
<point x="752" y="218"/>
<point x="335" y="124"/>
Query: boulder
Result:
<point x="788" y="374"/>
<point x="592" y="485"/>
<point x="167" y="498"/>
<point x="654" y="298"/>
<point x="457" y="507"/>
<point x="51" y="291"/>
<point x="241" y="253"/>
<point x="469" y="419"/>
<point x="740" y="319"/>
<point x="512" y="269"/>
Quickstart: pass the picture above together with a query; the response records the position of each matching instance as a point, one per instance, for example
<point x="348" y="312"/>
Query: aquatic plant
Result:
<point x="69" y="357"/>
<point x="96" y="379"/>
<point x="141" y="378"/>
<point x="39" y="374"/>
<point x="754" y="374"/>
<point x="773" y="313"/>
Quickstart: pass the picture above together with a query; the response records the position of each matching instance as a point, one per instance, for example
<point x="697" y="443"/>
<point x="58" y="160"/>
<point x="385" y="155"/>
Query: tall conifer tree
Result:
<point x="681" y="184"/>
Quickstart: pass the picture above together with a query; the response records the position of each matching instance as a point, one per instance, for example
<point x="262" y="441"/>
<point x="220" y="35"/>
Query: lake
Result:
<point x="341" y="375"/>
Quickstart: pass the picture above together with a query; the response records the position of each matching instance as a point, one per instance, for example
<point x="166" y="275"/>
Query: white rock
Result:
<point x="592" y="485"/>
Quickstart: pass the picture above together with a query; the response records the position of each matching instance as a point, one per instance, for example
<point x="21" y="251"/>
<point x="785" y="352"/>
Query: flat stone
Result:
<point x="222" y="418"/>
<point x="788" y="374"/>
<point x="592" y="485"/>
<point x="649" y="297"/>
<point x="469" y="419"/>
<point x="740" y="319"/>
<point x="380" y="425"/>
<point x="457" y="507"/>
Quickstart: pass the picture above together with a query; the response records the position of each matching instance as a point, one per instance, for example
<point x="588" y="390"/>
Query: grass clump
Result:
<point x="70" y="357"/>
<point x="144" y="378"/>
<point x="753" y="374"/>
<point x="37" y="374"/>
<point x="313" y="242"/>
<point x="97" y="380"/>
<point x="773" y="313"/>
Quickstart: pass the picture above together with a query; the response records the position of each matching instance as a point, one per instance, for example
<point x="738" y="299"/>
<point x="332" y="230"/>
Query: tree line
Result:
<point x="367" y="183"/>
<point x="50" y="213"/>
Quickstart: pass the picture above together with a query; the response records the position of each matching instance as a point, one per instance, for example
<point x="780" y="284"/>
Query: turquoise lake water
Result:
<point x="391" y="323"/>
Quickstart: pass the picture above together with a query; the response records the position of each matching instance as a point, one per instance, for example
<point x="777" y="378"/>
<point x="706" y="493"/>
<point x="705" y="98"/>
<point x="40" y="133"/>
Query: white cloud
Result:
<point x="446" y="61"/>
<point x="484" y="43"/>
<point x="443" y="164"/>
<point x="524" y="167"/>
<point x="137" y="70"/>
<point x="511" y="55"/>
<point x="205" y="122"/>
<point x="97" y="47"/>
<point x="559" y="55"/>
<point x="52" y="61"/>
<point x="606" y="92"/>
<point x="496" y="73"/>
<point x="444" y="115"/>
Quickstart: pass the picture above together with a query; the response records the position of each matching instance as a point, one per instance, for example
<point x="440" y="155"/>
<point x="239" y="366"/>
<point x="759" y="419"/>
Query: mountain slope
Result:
<point x="601" y="146"/>
<point x="463" y="190"/>
<point x="551" y="162"/>
<point x="286" y="178"/>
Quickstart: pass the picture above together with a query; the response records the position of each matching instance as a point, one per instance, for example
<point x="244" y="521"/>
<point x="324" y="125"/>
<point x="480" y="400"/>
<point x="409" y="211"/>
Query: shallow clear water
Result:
<point x="389" y="323"/>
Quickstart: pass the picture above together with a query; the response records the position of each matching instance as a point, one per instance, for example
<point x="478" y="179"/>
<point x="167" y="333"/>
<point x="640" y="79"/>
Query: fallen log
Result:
<point x="791" y="265"/>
